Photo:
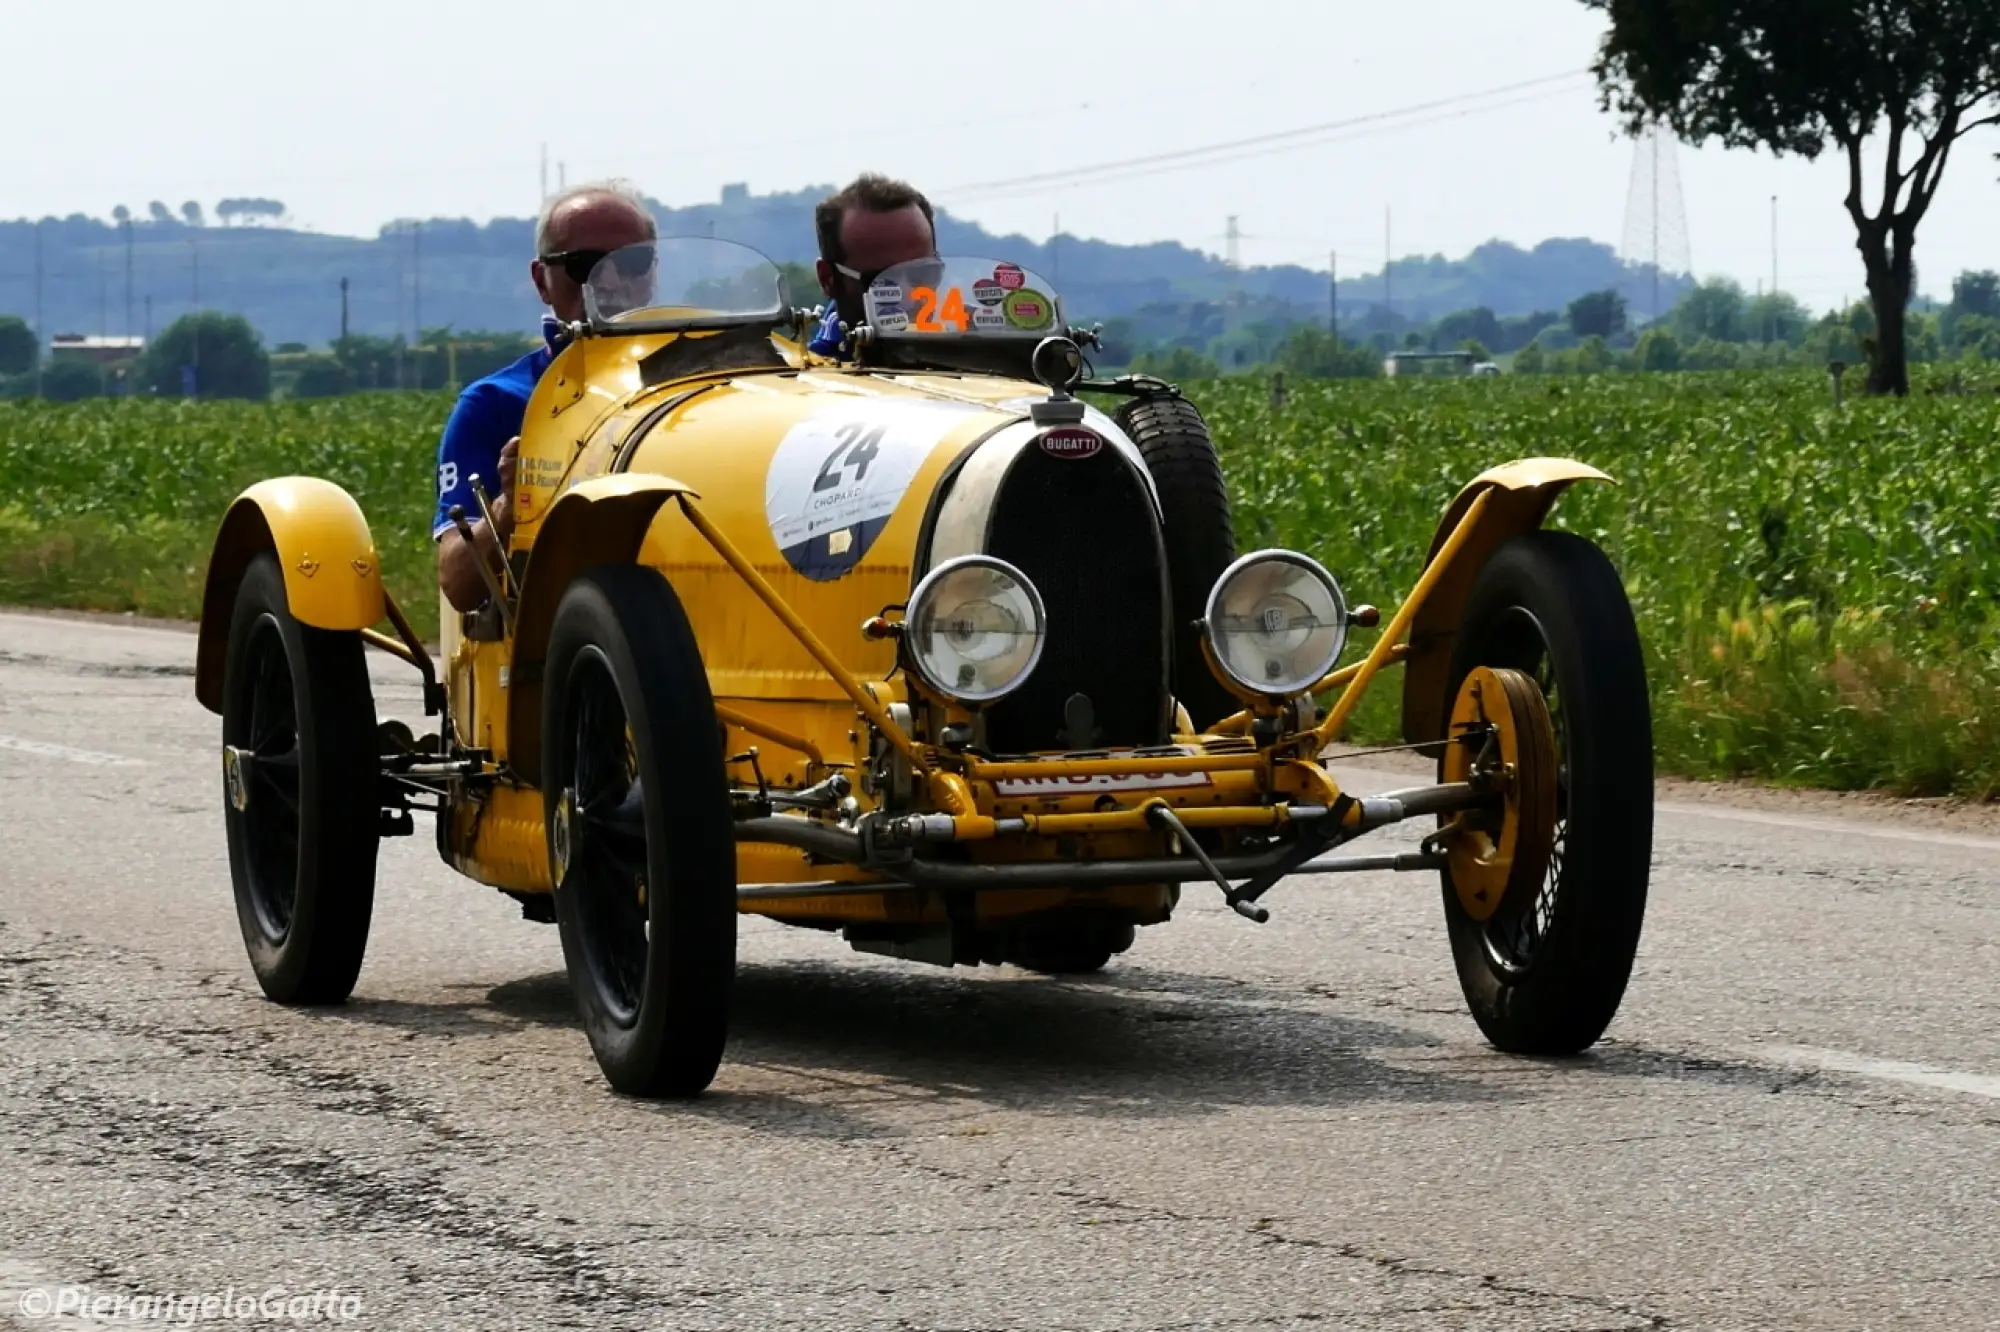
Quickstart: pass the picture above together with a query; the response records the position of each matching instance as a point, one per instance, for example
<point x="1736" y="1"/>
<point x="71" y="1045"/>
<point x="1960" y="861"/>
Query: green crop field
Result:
<point x="1814" y="585"/>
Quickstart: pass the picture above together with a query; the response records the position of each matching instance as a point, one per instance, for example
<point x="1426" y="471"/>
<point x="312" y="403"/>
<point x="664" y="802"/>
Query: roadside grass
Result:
<point x="1814" y="586"/>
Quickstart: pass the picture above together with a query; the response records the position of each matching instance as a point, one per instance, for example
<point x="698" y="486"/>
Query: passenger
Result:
<point x="873" y="224"/>
<point x="576" y="229"/>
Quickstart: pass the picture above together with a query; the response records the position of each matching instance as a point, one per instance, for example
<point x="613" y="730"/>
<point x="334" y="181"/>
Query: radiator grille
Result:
<point x="1084" y="531"/>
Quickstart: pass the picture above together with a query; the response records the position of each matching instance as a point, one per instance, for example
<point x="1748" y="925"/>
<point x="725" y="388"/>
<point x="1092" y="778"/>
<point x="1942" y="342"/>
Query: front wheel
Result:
<point x="1544" y="973"/>
<point x="302" y="804"/>
<point x="641" y="841"/>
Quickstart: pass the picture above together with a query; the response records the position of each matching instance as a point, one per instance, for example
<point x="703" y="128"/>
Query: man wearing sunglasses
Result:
<point x="872" y="224"/>
<point x="576" y="230"/>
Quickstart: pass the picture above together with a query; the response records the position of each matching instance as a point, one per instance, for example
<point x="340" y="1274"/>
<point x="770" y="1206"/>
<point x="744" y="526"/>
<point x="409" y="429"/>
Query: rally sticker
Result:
<point x="985" y="318"/>
<point x="1010" y="276"/>
<point x="1028" y="309"/>
<point x="838" y="475"/>
<point x="988" y="291"/>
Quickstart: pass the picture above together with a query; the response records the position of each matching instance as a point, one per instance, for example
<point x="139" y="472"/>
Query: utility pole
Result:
<point x="128" y="277"/>
<point x="103" y="281"/>
<point x="417" y="284"/>
<point x="1055" y="255"/>
<point x="40" y="337"/>
<point x="1333" y="296"/>
<point x="1388" y="283"/>
<point x="343" y="310"/>
<point x="1774" y="245"/>
<point x="545" y="177"/>
<point x="1233" y="257"/>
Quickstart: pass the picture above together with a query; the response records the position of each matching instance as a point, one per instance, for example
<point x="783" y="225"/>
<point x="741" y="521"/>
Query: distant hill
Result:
<point x="474" y="276"/>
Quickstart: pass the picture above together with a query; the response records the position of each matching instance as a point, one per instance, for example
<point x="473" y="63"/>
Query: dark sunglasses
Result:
<point x="577" y="265"/>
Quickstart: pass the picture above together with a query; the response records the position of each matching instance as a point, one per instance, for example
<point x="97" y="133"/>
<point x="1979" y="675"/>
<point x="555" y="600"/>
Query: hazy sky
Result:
<point x="357" y="111"/>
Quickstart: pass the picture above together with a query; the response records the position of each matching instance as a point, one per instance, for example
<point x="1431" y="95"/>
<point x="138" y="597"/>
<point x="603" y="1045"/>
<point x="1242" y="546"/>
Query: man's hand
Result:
<point x="503" y="499"/>
<point x="459" y="560"/>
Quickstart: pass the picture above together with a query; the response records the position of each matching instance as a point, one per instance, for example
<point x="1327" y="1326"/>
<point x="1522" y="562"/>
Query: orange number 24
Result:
<point x="934" y="315"/>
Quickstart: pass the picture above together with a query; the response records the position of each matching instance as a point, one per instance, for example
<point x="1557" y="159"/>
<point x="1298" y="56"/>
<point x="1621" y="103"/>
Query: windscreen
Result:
<point x="961" y="297"/>
<point x="680" y="277"/>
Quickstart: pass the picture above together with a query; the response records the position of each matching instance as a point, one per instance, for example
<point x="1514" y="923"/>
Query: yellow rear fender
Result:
<point x="333" y="579"/>
<point x="600" y="521"/>
<point x="1522" y="493"/>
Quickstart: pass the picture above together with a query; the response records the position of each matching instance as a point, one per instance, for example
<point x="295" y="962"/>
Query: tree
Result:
<point x="1711" y="309"/>
<point x="1477" y="348"/>
<point x="191" y="213"/>
<point x="1309" y="352"/>
<point x="1800" y="76"/>
<point x="1657" y="350"/>
<point x="121" y="215"/>
<point x="69" y="379"/>
<point x="1597" y="314"/>
<point x="20" y="349"/>
<point x="1977" y="293"/>
<point x="221" y="352"/>
<point x="1775" y="317"/>
<point x="1176" y="364"/>
<point x="159" y="212"/>
<point x="1529" y="360"/>
<point x="1480" y="324"/>
<point x="323" y="377"/>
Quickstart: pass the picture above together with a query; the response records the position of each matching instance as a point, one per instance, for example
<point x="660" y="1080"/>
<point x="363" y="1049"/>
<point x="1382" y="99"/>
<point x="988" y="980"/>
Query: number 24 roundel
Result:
<point x="837" y="477"/>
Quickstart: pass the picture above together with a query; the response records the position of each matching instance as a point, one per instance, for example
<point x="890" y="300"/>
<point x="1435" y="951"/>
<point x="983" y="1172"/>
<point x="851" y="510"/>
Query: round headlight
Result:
<point x="1277" y="622"/>
<point x="975" y="628"/>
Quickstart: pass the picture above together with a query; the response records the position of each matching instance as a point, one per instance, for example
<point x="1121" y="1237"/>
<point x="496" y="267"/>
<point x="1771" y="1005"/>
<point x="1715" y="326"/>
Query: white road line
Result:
<point x="43" y="749"/>
<point x="1836" y="827"/>
<point x="1891" y="1070"/>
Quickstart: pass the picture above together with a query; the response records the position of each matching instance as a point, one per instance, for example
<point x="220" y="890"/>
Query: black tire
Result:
<point x="298" y="729"/>
<point x="1200" y="536"/>
<point x="1546" y="972"/>
<point x="640" y="832"/>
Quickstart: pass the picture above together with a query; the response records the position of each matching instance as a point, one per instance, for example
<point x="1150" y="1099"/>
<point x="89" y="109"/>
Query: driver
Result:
<point x="577" y="228"/>
<point x="872" y="224"/>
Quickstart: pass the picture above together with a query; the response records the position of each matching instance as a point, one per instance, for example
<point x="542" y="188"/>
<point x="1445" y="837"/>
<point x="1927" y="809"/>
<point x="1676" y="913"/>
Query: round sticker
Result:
<point x="1010" y="276"/>
<point x="986" y="317"/>
<point x="988" y="291"/>
<point x="838" y="475"/>
<point x="1028" y="309"/>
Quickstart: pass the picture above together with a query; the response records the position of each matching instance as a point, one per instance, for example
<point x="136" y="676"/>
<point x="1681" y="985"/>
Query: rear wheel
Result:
<point x="640" y="832"/>
<point x="1200" y="535"/>
<point x="1544" y="973"/>
<point x="300" y="782"/>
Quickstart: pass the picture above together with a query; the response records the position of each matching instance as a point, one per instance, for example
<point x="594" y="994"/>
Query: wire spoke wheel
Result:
<point x="1545" y="972"/>
<point x="607" y="850"/>
<point x="640" y="832"/>
<point x="302" y="805"/>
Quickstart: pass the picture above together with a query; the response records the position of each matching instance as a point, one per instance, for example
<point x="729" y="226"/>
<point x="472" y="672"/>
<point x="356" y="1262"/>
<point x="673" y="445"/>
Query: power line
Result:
<point x="1232" y="149"/>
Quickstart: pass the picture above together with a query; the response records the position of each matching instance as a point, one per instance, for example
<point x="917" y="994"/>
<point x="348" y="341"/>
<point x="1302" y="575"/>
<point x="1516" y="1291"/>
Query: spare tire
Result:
<point x="1200" y="535"/>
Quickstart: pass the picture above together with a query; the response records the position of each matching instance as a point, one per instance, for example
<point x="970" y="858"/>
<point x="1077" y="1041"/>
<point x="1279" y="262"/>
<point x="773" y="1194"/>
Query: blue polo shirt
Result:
<point x="488" y="414"/>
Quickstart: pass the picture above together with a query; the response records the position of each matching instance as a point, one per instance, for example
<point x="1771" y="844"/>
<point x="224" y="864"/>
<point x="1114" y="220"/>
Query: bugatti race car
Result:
<point x="919" y="644"/>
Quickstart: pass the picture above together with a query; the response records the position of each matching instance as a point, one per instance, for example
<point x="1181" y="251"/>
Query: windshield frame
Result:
<point x="783" y="314"/>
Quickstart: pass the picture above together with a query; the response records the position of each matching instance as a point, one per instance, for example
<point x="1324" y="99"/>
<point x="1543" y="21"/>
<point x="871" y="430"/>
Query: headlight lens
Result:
<point x="975" y="628"/>
<point x="1277" y="622"/>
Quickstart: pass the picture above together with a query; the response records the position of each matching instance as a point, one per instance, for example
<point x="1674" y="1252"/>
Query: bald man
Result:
<point x="577" y="228"/>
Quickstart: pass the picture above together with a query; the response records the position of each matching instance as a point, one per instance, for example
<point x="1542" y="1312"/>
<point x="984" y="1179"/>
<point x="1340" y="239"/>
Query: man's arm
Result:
<point x="458" y="559"/>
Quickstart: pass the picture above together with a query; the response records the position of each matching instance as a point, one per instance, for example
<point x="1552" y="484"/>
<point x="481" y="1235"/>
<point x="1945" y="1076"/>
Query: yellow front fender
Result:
<point x="1523" y="493"/>
<point x="333" y="579"/>
<point x="600" y="521"/>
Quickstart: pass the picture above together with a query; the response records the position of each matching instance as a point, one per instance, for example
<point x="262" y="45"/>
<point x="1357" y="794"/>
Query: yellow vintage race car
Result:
<point x="913" y="643"/>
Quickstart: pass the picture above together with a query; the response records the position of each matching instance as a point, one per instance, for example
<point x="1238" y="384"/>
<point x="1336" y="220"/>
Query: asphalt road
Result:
<point x="1794" y="1124"/>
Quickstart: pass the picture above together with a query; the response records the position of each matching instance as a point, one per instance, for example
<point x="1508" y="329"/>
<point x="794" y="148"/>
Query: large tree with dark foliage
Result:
<point x="1805" y="76"/>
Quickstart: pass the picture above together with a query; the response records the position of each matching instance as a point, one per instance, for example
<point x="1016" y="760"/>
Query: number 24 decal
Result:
<point x="857" y="448"/>
<point x="934" y="315"/>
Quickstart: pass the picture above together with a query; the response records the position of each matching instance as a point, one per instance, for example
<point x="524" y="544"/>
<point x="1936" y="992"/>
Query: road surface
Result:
<point x="1795" y="1122"/>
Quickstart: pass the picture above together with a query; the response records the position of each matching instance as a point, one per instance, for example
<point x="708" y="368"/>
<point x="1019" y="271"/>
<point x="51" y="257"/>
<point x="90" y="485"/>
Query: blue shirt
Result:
<point x="488" y="414"/>
<point x="827" y="337"/>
